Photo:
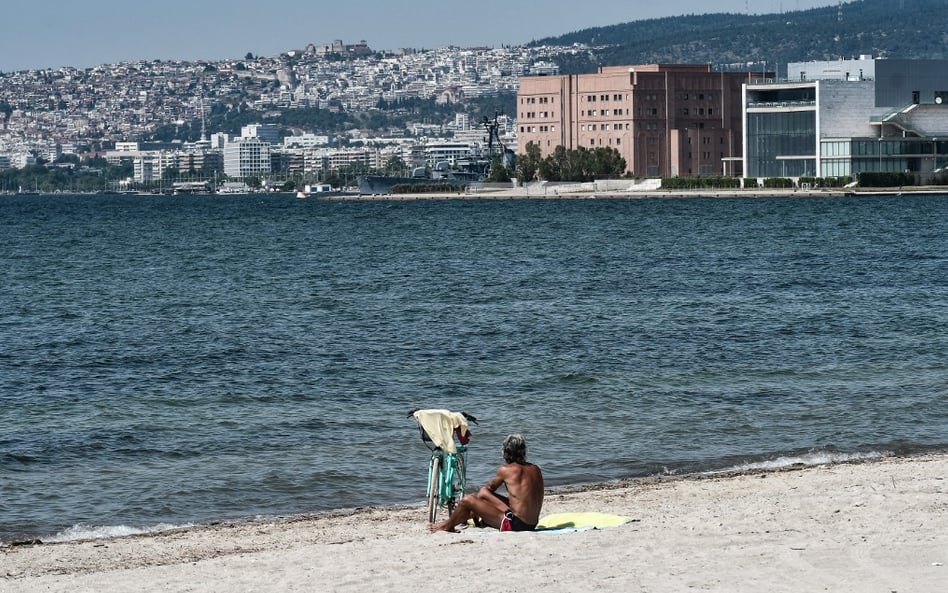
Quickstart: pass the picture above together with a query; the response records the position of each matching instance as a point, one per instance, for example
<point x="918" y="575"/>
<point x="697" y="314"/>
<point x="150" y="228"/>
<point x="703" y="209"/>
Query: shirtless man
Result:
<point x="519" y="510"/>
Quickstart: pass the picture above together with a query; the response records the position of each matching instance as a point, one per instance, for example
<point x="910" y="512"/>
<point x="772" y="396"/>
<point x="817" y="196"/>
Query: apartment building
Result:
<point x="665" y="120"/>
<point x="244" y="157"/>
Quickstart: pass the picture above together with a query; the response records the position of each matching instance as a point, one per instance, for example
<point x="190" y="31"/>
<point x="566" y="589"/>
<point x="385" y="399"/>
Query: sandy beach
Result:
<point x="873" y="526"/>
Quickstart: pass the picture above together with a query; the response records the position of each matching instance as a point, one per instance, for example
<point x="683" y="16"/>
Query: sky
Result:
<point x="40" y="35"/>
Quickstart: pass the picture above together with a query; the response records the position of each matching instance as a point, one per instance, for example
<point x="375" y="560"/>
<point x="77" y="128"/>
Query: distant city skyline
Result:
<point x="44" y="35"/>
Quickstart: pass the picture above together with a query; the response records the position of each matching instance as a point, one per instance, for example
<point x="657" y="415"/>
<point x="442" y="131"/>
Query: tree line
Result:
<point x="569" y="164"/>
<point x="912" y="30"/>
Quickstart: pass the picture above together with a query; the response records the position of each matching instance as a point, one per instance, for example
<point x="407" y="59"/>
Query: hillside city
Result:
<point x="343" y="117"/>
<point x="45" y="114"/>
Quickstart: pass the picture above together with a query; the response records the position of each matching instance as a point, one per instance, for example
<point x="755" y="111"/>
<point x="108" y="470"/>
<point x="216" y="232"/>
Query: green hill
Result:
<point x="907" y="29"/>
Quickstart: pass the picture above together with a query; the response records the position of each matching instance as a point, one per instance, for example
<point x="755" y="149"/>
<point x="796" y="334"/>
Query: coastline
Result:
<point x="565" y="192"/>
<point x="879" y="525"/>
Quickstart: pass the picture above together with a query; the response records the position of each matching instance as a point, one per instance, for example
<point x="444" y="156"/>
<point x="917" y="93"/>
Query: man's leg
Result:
<point x="490" y="509"/>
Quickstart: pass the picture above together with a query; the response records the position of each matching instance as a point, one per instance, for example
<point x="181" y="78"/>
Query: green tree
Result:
<point x="498" y="172"/>
<point x="529" y="163"/>
<point x="581" y="164"/>
<point x="395" y="166"/>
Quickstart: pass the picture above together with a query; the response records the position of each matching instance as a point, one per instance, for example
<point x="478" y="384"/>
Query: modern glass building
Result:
<point x="847" y="117"/>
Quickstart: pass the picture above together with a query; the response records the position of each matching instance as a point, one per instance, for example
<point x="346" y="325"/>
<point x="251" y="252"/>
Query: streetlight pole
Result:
<point x="934" y="154"/>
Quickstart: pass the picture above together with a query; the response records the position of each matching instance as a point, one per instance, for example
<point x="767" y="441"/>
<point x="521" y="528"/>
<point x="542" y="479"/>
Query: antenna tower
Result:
<point x="203" y="122"/>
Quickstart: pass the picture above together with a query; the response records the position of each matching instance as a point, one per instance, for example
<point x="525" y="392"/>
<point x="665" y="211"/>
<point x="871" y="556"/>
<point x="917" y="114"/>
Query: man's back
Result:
<point x="524" y="483"/>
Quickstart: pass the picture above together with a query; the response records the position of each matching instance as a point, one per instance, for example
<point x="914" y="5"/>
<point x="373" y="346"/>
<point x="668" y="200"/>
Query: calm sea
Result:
<point x="174" y="360"/>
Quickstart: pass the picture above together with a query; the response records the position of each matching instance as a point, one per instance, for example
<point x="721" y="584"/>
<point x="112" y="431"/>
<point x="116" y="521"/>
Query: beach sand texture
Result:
<point x="877" y="526"/>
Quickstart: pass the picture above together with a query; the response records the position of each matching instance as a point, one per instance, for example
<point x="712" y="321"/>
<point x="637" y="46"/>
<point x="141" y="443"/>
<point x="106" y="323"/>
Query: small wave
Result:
<point x="579" y="378"/>
<point x="86" y="532"/>
<point x="808" y="459"/>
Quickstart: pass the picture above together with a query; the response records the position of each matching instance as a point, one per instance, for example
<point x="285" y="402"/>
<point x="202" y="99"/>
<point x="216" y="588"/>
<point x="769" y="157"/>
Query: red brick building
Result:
<point x="665" y="120"/>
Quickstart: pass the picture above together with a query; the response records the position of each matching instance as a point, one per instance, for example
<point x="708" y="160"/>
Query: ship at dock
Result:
<point x="454" y="165"/>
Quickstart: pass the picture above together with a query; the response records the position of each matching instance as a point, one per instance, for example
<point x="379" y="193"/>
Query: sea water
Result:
<point x="177" y="360"/>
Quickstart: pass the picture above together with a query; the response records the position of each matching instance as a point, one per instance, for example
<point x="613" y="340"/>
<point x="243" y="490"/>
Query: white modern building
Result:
<point x="842" y="118"/>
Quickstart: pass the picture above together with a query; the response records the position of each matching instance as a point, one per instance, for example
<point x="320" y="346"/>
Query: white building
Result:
<point x="269" y="133"/>
<point x="305" y="141"/>
<point x="151" y="165"/>
<point x="244" y="157"/>
<point x="843" y="118"/>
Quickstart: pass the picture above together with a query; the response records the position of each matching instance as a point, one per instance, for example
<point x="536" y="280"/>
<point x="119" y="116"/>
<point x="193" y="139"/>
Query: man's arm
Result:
<point x="496" y="482"/>
<point x="491" y="487"/>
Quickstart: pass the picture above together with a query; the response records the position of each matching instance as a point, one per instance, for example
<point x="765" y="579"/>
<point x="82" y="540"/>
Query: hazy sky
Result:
<point x="72" y="33"/>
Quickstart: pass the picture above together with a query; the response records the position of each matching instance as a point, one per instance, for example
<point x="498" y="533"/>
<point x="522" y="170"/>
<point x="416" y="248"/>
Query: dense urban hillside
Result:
<point x="909" y="29"/>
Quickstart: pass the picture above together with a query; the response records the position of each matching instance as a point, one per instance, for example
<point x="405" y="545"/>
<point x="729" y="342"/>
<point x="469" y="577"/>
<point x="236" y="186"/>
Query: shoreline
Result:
<point x="877" y="524"/>
<point x="563" y="192"/>
<point x="566" y="193"/>
<point x="95" y="532"/>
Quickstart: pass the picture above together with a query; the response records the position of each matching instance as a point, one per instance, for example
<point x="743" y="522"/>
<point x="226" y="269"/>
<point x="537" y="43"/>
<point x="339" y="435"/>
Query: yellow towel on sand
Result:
<point x="581" y="521"/>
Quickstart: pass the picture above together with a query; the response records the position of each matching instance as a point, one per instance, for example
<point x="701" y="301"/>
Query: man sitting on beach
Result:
<point x="519" y="510"/>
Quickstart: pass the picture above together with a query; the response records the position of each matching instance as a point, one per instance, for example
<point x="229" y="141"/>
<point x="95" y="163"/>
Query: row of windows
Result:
<point x="604" y="112"/>
<point x="835" y="149"/>
<point x="698" y="111"/>
<point x="535" y="100"/>
<point x="876" y="147"/>
<point x="619" y="126"/>
<point x="605" y="127"/>
<point x="535" y="114"/>
<point x="615" y="97"/>
<point x="696" y="97"/>
<point x="844" y="167"/>
<point x="708" y="140"/>
<point x="592" y="141"/>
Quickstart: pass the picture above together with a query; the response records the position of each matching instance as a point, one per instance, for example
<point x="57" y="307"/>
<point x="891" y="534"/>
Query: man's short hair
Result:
<point x="515" y="449"/>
